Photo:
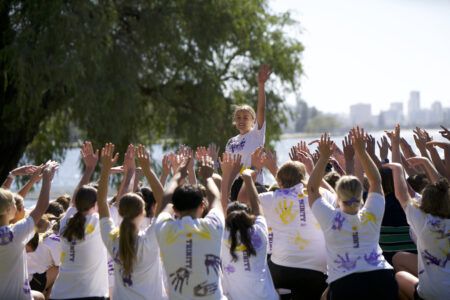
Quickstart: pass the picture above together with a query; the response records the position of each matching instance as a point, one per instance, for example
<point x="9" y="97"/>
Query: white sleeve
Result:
<point x="107" y="229"/>
<point x="261" y="224"/>
<point x="415" y="217"/>
<point x="375" y="204"/>
<point x="54" y="247"/>
<point x="324" y="212"/>
<point x="215" y="219"/>
<point x="23" y="231"/>
<point x="266" y="200"/>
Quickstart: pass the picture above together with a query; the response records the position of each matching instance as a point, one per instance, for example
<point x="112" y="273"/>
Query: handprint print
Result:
<point x="284" y="210"/>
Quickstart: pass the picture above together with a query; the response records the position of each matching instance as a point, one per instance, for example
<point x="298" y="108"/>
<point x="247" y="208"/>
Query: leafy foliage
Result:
<point x="135" y="71"/>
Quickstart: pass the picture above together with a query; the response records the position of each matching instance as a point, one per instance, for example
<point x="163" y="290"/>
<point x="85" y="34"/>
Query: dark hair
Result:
<point x="418" y="182"/>
<point x="387" y="180"/>
<point x="130" y="207"/>
<point x="149" y="199"/>
<point x="332" y="177"/>
<point x="85" y="199"/>
<point x="34" y="242"/>
<point x="187" y="197"/>
<point x="436" y="199"/>
<point x="64" y="200"/>
<point x="239" y="220"/>
<point x="235" y="188"/>
<point x="55" y="209"/>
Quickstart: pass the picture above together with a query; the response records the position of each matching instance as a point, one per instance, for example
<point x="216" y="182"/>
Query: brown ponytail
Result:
<point x="239" y="220"/>
<point x="131" y="206"/>
<point x="85" y="199"/>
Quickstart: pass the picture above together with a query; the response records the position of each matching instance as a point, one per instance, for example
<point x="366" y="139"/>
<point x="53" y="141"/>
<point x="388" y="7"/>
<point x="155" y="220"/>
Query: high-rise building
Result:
<point x="413" y="107"/>
<point x="361" y="114"/>
<point x="437" y="113"/>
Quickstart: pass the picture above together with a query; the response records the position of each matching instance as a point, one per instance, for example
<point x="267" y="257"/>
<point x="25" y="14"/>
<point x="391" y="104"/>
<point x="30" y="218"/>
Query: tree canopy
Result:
<point x="135" y="71"/>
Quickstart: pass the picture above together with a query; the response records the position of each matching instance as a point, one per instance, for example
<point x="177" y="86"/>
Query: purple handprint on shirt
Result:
<point x="230" y="269"/>
<point x="346" y="263"/>
<point x="212" y="261"/>
<point x="256" y="239"/>
<point x="373" y="258"/>
<point x="6" y="236"/>
<point x="338" y="221"/>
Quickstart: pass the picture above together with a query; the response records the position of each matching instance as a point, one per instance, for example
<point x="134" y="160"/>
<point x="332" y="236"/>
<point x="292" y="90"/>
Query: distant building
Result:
<point x="437" y="113"/>
<point x="361" y="114"/>
<point x="414" y="113"/>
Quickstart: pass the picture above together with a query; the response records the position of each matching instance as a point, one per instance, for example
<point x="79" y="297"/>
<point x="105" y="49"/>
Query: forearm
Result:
<point x="155" y="185"/>
<point x="261" y="108"/>
<point x="315" y="180"/>
<point x="124" y="185"/>
<point x="163" y="178"/>
<point x="400" y="186"/>
<point x="396" y="154"/>
<point x="168" y="193"/>
<point x="225" y="192"/>
<point x="350" y="166"/>
<point x="42" y="203"/>
<point x="431" y="171"/>
<point x="191" y="177"/>
<point x="26" y="188"/>
<point x="213" y="194"/>
<point x="102" y="194"/>
<point x="436" y="159"/>
<point x="7" y="183"/>
<point x="447" y="162"/>
<point x="252" y="195"/>
<point x="370" y="168"/>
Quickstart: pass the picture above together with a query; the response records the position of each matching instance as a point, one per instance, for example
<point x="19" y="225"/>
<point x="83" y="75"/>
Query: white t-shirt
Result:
<point x="13" y="267"/>
<point x="46" y="255"/>
<point x="433" y="246"/>
<point x="352" y="240"/>
<point x="298" y="241"/>
<point x="248" y="271"/>
<point x="246" y="144"/>
<point x="83" y="271"/>
<point x="190" y="250"/>
<point x="146" y="281"/>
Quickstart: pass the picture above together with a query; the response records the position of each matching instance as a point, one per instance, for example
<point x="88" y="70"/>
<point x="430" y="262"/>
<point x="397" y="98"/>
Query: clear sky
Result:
<point x="371" y="51"/>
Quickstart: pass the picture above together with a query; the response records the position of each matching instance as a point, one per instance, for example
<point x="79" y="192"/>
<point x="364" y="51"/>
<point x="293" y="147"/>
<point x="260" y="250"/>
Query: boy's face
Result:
<point x="243" y="121"/>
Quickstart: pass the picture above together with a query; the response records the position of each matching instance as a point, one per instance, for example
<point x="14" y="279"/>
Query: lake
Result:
<point x="68" y="174"/>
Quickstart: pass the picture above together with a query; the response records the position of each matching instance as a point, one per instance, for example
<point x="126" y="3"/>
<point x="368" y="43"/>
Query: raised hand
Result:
<point x="358" y="139"/>
<point x="206" y="168"/>
<point x="406" y="148"/>
<point x="270" y="162"/>
<point x="264" y="73"/>
<point x="349" y="152"/>
<point x="213" y="151"/>
<point x="24" y="170"/>
<point x="90" y="158"/>
<point x="442" y="145"/>
<point x="325" y="146"/>
<point x="445" y="133"/>
<point x="394" y="135"/>
<point x="108" y="158"/>
<point x="129" y="164"/>
<point x="143" y="158"/>
<point x="383" y="147"/>
<point x="230" y="165"/>
<point x="48" y="170"/>
<point x="257" y="158"/>
<point x="370" y="145"/>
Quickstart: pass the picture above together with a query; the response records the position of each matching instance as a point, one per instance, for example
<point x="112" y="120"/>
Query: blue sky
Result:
<point x="371" y="51"/>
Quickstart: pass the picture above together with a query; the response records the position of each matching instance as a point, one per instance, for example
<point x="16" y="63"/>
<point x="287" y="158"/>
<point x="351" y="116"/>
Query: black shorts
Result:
<point x="379" y="284"/>
<point x="303" y="283"/>
<point x="38" y="282"/>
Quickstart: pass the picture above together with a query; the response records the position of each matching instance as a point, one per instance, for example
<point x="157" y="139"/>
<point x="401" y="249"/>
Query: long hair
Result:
<point x="85" y="199"/>
<point x="240" y="221"/>
<point x="436" y="199"/>
<point x="131" y="206"/>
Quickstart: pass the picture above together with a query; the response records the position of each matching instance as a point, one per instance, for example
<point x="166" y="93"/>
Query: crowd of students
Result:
<point x="218" y="232"/>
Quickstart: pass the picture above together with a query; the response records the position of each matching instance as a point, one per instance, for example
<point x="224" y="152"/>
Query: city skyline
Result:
<point x="372" y="51"/>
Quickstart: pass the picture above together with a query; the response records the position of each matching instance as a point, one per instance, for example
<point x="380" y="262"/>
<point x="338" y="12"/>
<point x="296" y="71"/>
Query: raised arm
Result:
<point x="315" y="179"/>
<point x="129" y="169"/>
<point x="35" y="178"/>
<point x="436" y="159"/>
<point x="270" y="162"/>
<point x="349" y="155"/>
<point x="19" y="171"/>
<point x="44" y="196"/>
<point x="165" y="169"/>
<point x="263" y="75"/>
<point x="446" y="147"/>
<point x="367" y="163"/>
<point x="179" y="175"/>
<point x="400" y="184"/>
<point x="90" y="159"/>
<point x="426" y="164"/>
<point x="230" y="165"/>
<point x="252" y="192"/>
<point x="108" y="159"/>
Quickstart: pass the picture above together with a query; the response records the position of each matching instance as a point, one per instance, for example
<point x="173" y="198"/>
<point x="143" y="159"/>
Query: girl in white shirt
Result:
<point x="244" y="250"/>
<point x="251" y="125"/>
<point x="430" y="221"/>
<point x="137" y="264"/>
<point x="83" y="272"/>
<point x="356" y="266"/>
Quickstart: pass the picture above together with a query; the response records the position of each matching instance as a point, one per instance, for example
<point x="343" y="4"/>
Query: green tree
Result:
<point x="135" y="71"/>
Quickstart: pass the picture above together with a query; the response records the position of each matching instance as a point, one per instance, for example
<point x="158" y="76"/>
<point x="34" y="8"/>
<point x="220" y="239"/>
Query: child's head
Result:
<point x="418" y="182"/>
<point x="387" y="180"/>
<point x="244" y="117"/>
<point x="436" y="199"/>
<point x="149" y="199"/>
<point x="85" y="200"/>
<point x="349" y="192"/>
<point x="332" y="177"/>
<point x="64" y="200"/>
<point x="188" y="199"/>
<point x="7" y="204"/>
<point x="55" y="209"/>
<point x="239" y="220"/>
<point x="290" y="173"/>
